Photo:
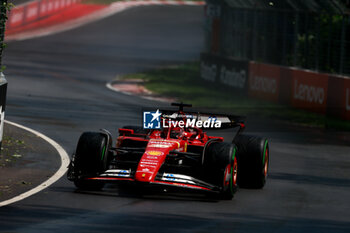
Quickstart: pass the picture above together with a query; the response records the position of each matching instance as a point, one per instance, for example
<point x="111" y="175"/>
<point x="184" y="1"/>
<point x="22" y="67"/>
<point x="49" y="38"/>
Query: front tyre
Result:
<point x="229" y="186"/>
<point x="90" y="160"/>
<point x="222" y="165"/>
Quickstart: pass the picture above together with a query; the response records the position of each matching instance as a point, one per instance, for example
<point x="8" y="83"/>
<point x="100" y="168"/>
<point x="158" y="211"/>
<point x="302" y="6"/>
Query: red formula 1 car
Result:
<point x="179" y="154"/>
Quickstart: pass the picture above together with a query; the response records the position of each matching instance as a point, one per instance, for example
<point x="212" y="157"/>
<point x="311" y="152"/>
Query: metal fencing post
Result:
<point x="317" y="54"/>
<point x="245" y="34"/>
<point x="306" y="44"/>
<point x="296" y="31"/>
<point x="329" y="42"/>
<point x="284" y="37"/>
<point x="254" y="35"/>
<point x="342" y="45"/>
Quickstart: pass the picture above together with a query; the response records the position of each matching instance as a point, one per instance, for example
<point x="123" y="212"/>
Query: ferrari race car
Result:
<point x="179" y="154"/>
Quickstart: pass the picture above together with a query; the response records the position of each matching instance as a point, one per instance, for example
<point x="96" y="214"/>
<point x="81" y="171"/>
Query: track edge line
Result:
<point x="55" y="177"/>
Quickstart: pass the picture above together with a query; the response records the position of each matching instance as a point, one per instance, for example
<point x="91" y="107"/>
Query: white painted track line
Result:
<point x="59" y="173"/>
<point x="110" y="86"/>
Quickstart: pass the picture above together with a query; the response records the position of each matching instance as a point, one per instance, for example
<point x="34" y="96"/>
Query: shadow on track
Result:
<point x="122" y="220"/>
<point x="309" y="179"/>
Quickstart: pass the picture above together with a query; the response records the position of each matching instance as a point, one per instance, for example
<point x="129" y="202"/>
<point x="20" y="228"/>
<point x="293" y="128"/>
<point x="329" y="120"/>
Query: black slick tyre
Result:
<point x="253" y="161"/>
<point x="90" y="160"/>
<point x="221" y="160"/>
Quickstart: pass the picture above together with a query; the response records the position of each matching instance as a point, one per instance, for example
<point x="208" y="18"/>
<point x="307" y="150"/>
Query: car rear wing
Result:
<point x="227" y="121"/>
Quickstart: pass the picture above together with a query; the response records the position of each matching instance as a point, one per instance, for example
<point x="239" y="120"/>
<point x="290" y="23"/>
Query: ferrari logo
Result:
<point x="154" y="153"/>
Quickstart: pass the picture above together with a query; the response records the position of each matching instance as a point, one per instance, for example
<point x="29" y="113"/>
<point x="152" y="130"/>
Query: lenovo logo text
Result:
<point x="263" y="84"/>
<point x="308" y="93"/>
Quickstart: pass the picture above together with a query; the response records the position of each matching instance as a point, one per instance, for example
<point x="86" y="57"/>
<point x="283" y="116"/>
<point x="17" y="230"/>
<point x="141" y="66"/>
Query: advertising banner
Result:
<point x="338" y="101"/>
<point x="32" y="12"/>
<point x="346" y="98"/>
<point x="302" y="89"/>
<point x="264" y="81"/>
<point x="309" y="90"/>
<point x="16" y="17"/>
<point x="209" y="67"/>
<point x="229" y="72"/>
<point x="336" y="97"/>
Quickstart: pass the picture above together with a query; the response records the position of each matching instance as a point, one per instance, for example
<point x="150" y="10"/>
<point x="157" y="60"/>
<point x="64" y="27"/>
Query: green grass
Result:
<point x="183" y="82"/>
<point x="10" y="150"/>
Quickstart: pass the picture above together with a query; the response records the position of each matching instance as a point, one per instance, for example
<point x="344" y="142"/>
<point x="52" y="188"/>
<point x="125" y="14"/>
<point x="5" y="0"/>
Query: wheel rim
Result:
<point x="230" y="177"/>
<point x="266" y="163"/>
<point x="227" y="176"/>
<point x="234" y="173"/>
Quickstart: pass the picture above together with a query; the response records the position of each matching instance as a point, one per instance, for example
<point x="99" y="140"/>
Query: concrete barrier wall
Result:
<point x="309" y="90"/>
<point x="35" y="10"/>
<point x="346" y="102"/>
<point x="227" y="71"/>
<point x="338" y="102"/>
<point x="264" y="81"/>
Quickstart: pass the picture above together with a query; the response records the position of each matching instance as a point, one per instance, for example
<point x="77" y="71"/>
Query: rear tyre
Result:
<point x="90" y="160"/>
<point x="222" y="164"/>
<point x="253" y="161"/>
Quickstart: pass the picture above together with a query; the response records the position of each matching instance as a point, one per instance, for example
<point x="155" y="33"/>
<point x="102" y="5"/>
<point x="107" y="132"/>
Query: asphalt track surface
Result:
<point x="57" y="86"/>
